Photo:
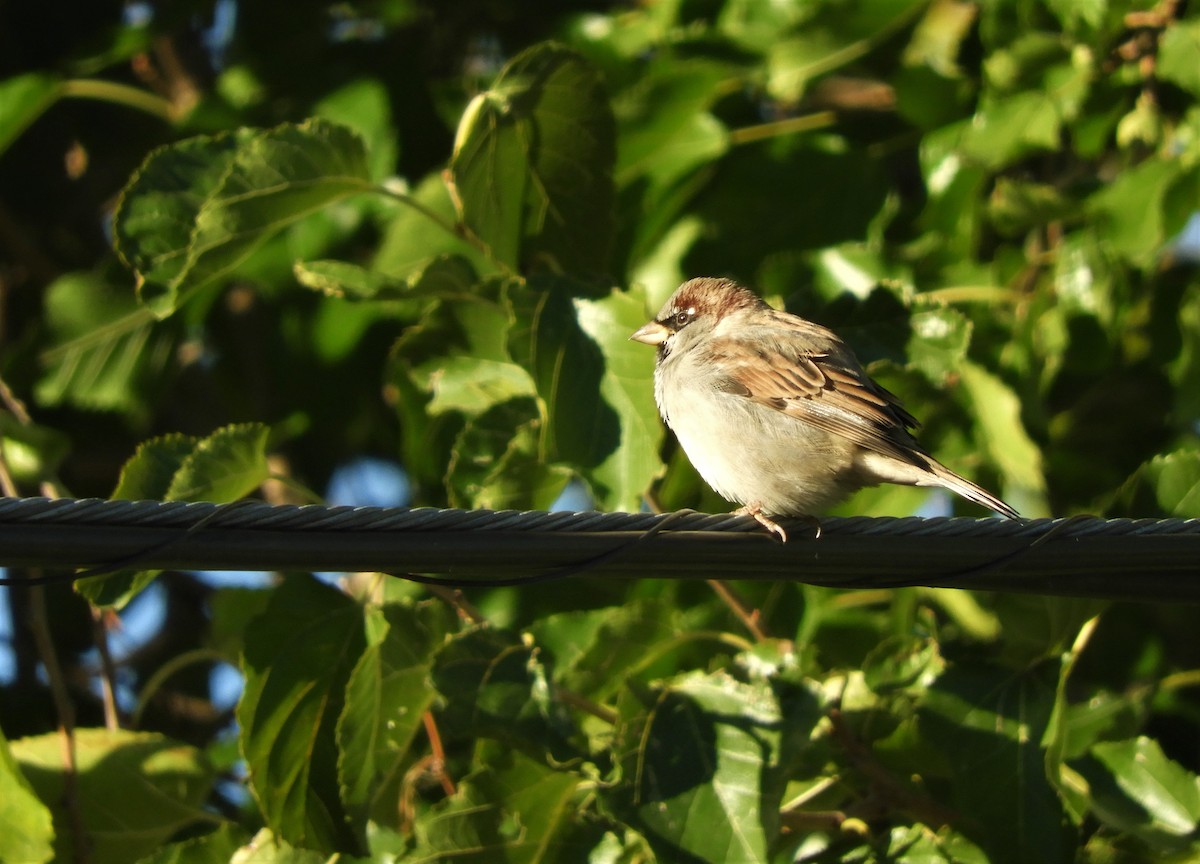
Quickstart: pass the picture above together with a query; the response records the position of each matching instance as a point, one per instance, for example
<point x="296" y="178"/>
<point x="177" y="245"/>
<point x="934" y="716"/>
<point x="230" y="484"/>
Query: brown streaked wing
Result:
<point x="829" y="390"/>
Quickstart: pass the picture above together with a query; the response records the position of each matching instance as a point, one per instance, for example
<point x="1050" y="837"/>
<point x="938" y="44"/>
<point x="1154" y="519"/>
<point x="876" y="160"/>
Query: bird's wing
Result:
<point x="803" y="370"/>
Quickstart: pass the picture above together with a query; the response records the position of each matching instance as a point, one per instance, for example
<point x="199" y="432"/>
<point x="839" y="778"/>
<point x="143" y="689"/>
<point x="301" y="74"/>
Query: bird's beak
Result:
<point x="651" y="333"/>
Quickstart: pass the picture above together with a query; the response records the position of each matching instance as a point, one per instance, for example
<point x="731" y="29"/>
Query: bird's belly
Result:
<point x="749" y="453"/>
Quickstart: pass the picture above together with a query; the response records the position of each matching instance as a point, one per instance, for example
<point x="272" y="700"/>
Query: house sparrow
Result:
<point x="775" y="412"/>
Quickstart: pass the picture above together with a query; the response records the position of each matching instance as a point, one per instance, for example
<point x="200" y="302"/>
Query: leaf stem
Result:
<point x="788" y="126"/>
<point x="459" y="230"/>
<point x="119" y="94"/>
<point x="165" y="671"/>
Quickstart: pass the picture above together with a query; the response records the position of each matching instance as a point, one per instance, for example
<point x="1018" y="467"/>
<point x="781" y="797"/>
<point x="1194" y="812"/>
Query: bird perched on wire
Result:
<point x="776" y="413"/>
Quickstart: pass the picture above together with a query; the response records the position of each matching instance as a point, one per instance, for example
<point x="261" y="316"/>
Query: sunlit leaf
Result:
<point x="701" y="760"/>
<point x="1135" y="788"/>
<point x="197" y="209"/>
<point x="26" y="828"/>
<point x="225" y="466"/>
<point x="163" y="785"/>
<point x="23" y="99"/>
<point x="1178" y="52"/>
<point x="1002" y="433"/>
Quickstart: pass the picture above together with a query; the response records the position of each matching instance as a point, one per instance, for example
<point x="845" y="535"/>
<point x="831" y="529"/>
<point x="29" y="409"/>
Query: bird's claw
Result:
<point x="755" y="510"/>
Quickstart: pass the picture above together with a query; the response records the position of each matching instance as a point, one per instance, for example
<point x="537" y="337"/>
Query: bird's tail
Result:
<point x="971" y="491"/>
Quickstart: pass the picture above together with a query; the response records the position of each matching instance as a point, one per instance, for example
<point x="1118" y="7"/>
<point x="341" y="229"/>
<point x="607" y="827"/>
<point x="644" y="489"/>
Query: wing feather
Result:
<point x="803" y="370"/>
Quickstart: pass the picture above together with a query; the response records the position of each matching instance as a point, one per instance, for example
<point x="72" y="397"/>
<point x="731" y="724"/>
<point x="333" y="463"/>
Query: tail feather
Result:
<point x="971" y="491"/>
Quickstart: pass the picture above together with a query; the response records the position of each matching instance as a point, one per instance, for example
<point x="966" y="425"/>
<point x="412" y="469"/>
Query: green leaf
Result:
<point x="26" y="826"/>
<point x="1173" y="479"/>
<point x="668" y="136"/>
<point x="441" y="276"/>
<point x="32" y="452"/>
<point x="533" y="163"/>
<point x="512" y="809"/>
<point x="495" y="463"/>
<point x="627" y="387"/>
<point x="1179" y="55"/>
<point x="1130" y="211"/>
<point x="597" y="650"/>
<point x="386" y="696"/>
<point x="412" y="239"/>
<point x="1002" y="434"/>
<point x="546" y="339"/>
<point x="299" y="657"/>
<point x="197" y="209"/>
<point x="1135" y="788"/>
<point x="227" y="465"/>
<point x="989" y="723"/>
<point x="149" y="472"/>
<point x="596" y="385"/>
<point x="163" y="785"/>
<point x="472" y="385"/>
<point x="938" y="344"/>
<point x="23" y="99"/>
<point x="364" y="105"/>
<point x="217" y="847"/>
<point x="106" y="349"/>
<point x="700" y="758"/>
<point x="1010" y="127"/>
<point x="343" y="279"/>
<point x="494" y="686"/>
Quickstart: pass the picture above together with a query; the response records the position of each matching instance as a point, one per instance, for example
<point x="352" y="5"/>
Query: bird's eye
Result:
<point x="683" y="317"/>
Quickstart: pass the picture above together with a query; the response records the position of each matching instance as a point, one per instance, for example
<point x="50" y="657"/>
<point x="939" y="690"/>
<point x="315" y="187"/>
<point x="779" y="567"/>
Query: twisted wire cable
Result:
<point x="1150" y="559"/>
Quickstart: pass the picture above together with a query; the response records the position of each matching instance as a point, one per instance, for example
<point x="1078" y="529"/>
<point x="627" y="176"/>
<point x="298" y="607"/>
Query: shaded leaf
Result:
<point x="533" y="163"/>
<point x="1002" y="434"/>
<point x="217" y="847"/>
<point x="989" y="723"/>
<point x="387" y="693"/>
<point x="627" y="387"/>
<point x="299" y="656"/>
<point x="512" y="809"/>
<point x="106" y="350"/>
<point x="495" y="687"/>
<point x="495" y="462"/>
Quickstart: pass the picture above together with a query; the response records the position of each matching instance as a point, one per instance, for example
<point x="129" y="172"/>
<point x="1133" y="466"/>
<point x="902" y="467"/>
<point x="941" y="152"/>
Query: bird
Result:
<point x="776" y="413"/>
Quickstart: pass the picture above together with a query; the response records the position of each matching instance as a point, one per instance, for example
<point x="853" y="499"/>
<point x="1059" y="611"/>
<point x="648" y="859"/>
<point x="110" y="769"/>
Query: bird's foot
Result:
<point x="754" y="509"/>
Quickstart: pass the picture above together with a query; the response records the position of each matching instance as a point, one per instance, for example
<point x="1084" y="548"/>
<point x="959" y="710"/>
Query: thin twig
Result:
<point x="748" y="617"/>
<point x="892" y="792"/>
<point x="39" y="625"/>
<point x="101" y="621"/>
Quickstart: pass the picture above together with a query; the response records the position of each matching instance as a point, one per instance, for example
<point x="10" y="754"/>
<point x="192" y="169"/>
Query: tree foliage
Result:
<point x="235" y="258"/>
